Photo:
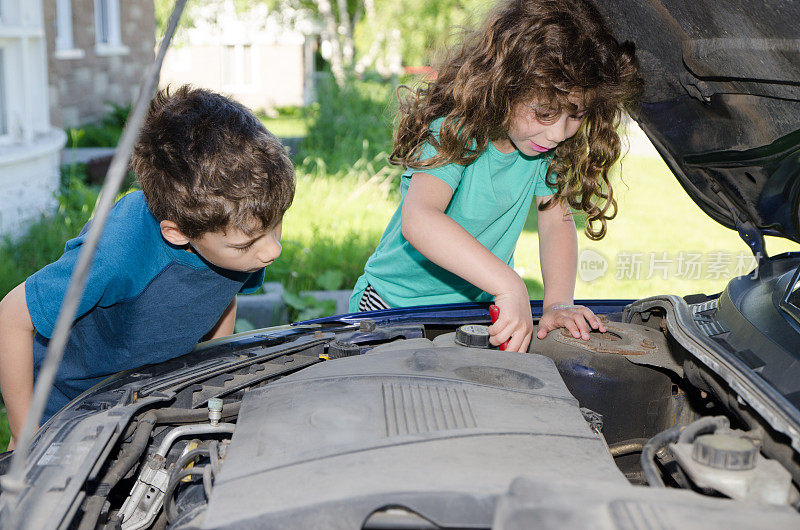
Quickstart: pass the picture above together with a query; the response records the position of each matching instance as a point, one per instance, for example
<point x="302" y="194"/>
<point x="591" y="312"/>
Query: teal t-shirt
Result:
<point x="491" y="200"/>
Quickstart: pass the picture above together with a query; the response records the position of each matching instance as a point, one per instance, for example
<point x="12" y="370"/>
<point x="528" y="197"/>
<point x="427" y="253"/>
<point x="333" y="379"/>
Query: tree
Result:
<point x="412" y="31"/>
<point x="358" y="34"/>
<point x="337" y="21"/>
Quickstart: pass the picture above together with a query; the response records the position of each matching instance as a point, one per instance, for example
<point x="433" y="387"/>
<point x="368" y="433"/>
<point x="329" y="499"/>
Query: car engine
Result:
<point x="407" y="426"/>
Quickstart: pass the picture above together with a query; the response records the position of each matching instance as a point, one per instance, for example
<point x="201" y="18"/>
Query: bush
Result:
<point x="337" y="258"/>
<point x="349" y="123"/>
<point x="44" y="241"/>
<point x="105" y="134"/>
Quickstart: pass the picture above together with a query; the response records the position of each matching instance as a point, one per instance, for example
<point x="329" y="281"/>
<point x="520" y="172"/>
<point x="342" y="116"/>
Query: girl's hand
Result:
<point x="515" y="323"/>
<point x="576" y="318"/>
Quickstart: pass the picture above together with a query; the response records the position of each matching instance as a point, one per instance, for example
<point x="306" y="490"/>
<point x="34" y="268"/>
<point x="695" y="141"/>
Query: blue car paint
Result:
<point x="448" y="313"/>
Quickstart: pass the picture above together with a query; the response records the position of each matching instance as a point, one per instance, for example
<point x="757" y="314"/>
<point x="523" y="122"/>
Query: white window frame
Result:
<point x="112" y="45"/>
<point x="20" y="14"/>
<point x="65" y="46"/>
<point x="5" y="125"/>
<point x="239" y="81"/>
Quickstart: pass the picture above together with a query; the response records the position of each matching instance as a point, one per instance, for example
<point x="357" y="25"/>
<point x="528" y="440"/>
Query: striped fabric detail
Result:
<point x="370" y="301"/>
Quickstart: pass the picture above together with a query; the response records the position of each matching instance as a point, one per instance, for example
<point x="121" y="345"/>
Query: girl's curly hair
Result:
<point x="545" y="51"/>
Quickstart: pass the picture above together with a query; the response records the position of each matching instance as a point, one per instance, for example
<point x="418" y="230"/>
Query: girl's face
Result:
<point x="535" y="130"/>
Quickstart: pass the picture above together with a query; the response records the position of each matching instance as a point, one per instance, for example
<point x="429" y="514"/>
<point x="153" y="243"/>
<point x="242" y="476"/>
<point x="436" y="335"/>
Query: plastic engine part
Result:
<point x="725" y="451"/>
<point x="472" y="336"/>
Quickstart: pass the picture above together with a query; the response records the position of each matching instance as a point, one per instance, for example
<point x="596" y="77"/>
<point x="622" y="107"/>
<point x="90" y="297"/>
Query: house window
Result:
<point x="65" y="48"/>
<point x="3" y="113"/>
<point x="228" y="65"/>
<point x="108" y="40"/>
<point x="237" y="66"/>
<point x="63" y="24"/>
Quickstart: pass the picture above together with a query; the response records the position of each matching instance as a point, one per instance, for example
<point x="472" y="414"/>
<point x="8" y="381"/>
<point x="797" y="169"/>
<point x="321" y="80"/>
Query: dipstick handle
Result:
<point x="494" y="314"/>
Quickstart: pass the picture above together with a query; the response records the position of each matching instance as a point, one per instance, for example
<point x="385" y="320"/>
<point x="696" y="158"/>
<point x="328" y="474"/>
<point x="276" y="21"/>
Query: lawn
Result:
<point x="286" y="126"/>
<point x="335" y="223"/>
<point x="659" y="243"/>
<point x="331" y="229"/>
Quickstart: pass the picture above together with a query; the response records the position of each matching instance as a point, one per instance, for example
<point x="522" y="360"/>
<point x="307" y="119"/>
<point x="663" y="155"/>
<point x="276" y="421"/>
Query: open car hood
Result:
<point x="722" y="103"/>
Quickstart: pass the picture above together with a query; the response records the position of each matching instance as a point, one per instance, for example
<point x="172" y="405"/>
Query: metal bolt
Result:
<point x="367" y="325"/>
<point x="214" y="410"/>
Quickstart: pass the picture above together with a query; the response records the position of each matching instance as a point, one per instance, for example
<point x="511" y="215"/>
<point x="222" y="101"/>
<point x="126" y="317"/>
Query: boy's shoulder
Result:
<point x="130" y="226"/>
<point x="131" y="241"/>
<point x="126" y="259"/>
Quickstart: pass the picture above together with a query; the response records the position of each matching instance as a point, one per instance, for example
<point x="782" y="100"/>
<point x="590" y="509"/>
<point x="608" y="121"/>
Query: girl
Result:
<point x="528" y="106"/>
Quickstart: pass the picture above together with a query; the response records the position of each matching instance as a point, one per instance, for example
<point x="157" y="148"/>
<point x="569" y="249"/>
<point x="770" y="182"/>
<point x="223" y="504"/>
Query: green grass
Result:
<point x="655" y="216"/>
<point x="350" y="123"/>
<point x="5" y="432"/>
<point x="286" y="126"/>
<point x="332" y="227"/>
<point x="44" y="241"/>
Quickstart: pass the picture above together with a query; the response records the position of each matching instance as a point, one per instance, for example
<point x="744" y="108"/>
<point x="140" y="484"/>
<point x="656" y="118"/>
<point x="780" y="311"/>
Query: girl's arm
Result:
<point x="447" y="244"/>
<point x="16" y="358"/>
<point x="558" y="255"/>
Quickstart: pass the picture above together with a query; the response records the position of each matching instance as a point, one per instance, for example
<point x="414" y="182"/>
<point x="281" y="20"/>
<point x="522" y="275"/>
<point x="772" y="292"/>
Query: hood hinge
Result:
<point x="747" y="230"/>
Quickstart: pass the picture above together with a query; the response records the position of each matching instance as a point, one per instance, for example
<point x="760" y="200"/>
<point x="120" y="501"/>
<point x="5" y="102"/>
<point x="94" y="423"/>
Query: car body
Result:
<point x="397" y="419"/>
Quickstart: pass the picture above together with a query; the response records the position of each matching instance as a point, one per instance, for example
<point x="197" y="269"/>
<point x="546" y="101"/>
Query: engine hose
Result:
<point x="167" y="415"/>
<point x="672" y="435"/>
<point x="701" y="426"/>
<point x="213" y="448"/>
<point x="141" y="436"/>
<point x="634" y="445"/>
<point x="188" y="457"/>
<point x="653" y="446"/>
<point x="174" y="481"/>
<point x="130" y="455"/>
<point x="207" y="481"/>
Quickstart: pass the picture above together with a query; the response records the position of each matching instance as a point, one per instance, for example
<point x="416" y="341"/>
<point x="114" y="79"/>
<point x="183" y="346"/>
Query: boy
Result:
<point x="215" y="185"/>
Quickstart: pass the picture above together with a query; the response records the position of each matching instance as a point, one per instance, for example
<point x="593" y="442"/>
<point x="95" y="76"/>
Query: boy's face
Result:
<point x="235" y="250"/>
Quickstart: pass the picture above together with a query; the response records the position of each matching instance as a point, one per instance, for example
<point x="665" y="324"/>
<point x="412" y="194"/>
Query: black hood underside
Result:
<point x="722" y="102"/>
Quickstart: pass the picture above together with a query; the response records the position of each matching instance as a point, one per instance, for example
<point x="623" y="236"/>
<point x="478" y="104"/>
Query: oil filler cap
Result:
<point x="473" y="336"/>
<point x="725" y="451"/>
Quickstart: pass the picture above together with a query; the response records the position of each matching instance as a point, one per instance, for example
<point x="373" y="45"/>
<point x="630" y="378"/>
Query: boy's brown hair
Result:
<point x="206" y="163"/>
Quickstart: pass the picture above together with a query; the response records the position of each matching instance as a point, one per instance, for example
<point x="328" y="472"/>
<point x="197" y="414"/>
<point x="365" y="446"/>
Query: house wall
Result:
<point x="82" y="80"/>
<point x="255" y="56"/>
<point x="29" y="178"/>
<point x="276" y="76"/>
<point x="29" y="146"/>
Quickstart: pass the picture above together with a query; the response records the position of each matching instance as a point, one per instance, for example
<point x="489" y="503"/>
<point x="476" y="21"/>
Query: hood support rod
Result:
<point x="752" y="237"/>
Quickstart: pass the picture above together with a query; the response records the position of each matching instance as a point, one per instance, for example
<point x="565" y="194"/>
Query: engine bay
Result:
<point x="419" y="424"/>
<point x="403" y="426"/>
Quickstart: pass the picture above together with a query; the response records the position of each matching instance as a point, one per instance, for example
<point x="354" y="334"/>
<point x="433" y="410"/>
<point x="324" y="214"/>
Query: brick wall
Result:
<point x="79" y="87"/>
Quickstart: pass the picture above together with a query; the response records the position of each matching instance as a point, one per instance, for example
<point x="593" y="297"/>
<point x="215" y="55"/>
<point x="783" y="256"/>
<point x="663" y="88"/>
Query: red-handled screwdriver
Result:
<point x="494" y="314"/>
